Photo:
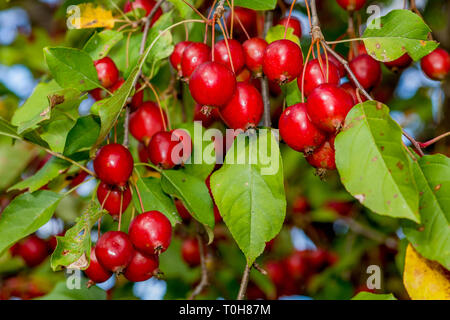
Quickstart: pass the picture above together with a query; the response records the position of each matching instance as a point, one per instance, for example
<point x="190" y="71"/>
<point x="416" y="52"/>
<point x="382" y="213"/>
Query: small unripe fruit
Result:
<point x="114" y="164"/>
<point x="151" y="232"/>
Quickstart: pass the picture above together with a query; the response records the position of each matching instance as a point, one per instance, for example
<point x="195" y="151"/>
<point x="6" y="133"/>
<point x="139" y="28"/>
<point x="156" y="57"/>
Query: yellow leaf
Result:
<point x="88" y="15"/>
<point x="425" y="279"/>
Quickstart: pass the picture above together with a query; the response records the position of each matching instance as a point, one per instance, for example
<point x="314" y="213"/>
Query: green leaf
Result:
<point x="72" y="68"/>
<point x="25" y="214"/>
<point x="110" y="109"/>
<point x="432" y="237"/>
<point x="277" y="33"/>
<point x="82" y="136"/>
<point x="55" y="133"/>
<point x="203" y="155"/>
<point x="153" y="198"/>
<point x="249" y="192"/>
<point x="373" y="296"/>
<point x="6" y="129"/>
<point x="373" y="163"/>
<point x="27" y="115"/>
<point x="293" y="94"/>
<point x="256" y="4"/>
<point x="402" y="31"/>
<point x="184" y="10"/>
<point x="13" y="161"/>
<point x="101" y="43"/>
<point x="52" y="169"/>
<point x="192" y="191"/>
<point x="62" y="292"/>
<point x="73" y="250"/>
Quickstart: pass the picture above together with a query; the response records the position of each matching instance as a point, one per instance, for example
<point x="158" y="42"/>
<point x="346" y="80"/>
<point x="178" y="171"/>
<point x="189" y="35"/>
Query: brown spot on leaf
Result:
<point x="395" y="196"/>
<point x="377" y="45"/>
<point x="421" y="193"/>
<point x="55" y="99"/>
<point x="400" y="165"/>
<point x="382" y="134"/>
<point x="437" y="187"/>
<point x="379" y="105"/>
<point x="360" y="197"/>
<point x="374" y="159"/>
<point x="421" y="228"/>
<point x="382" y="148"/>
<point x="65" y="252"/>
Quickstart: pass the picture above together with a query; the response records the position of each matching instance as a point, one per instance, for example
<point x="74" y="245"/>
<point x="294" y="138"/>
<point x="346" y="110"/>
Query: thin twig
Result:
<point x="244" y="283"/>
<point x="267" y="122"/>
<point x="58" y="155"/>
<point x="204" y="281"/>
<point x="370" y="233"/>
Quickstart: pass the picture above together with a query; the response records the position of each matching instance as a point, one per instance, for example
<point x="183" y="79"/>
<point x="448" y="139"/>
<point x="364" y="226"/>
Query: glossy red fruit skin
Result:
<point x="248" y="19"/>
<point x="114" y="251"/>
<point x="254" y="50"/>
<point x="160" y="150"/>
<point x="138" y="98"/>
<point x="78" y="179"/>
<point x="293" y="23"/>
<point x="297" y="265"/>
<point x="177" y="54"/>
<point x="327" y="107"/>
<point x="194" y="55"/>
<point x="351" y="5"/>
<point x="147" y="5"/>
<point x="436" y="65"/>
<point x="324" y="156"/>
<point x="190" y="251"/>
<point x="151" y="232"/>
<point x="183" y="148"/>
<point x="206" y="118"/>
<point x="212" y="84"/>
<point x="107" y="71"/>
<point x="332" y="59"/>
<point x="116" y="86"/>
<point x="343" y="208"/>
<point x="283" y="61"/>
<point x="33" y="251"/>
<point x="142" y="153"/>
<point x="112" y="204"/>
<point x="237" y="54"/>
<point x="367" y="70"/>
<point x="98" y="94"/>
<point x="113" y="164"/>
<point x="276" y="272"/>
<point x="141" y="267"/>
<point x="146" y="121"/>
<point x="96" y="272"/>
<point x="182" y="211"/>
<point x="315" y="75"/>
<point x="298" y="131"/>
<point x="245" y="108"/>
<point x="351" y="90"/>
<point x="399" y="64"/>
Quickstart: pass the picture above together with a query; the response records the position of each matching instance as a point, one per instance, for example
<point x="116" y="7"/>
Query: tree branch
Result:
<point x="244" y="283"/>
<point x="204" y="281"/>
<point x="264" y="81"/>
